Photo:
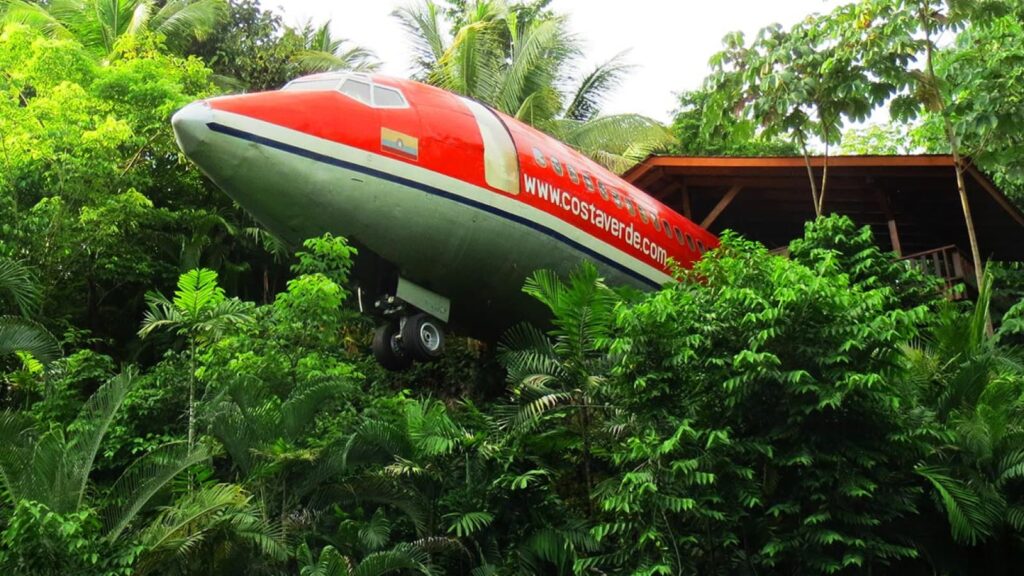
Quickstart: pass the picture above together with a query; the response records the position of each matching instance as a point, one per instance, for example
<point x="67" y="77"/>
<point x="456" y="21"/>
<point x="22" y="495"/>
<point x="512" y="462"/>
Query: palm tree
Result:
<point x="99" y="24"/>
<point x="519" y="60"/>
<point x="200" y="531"/>
<point x="52" y="467"/>
<point x="322" y="52"/>
<point x="263" y="434"/>
<point x="564" y="370"/>
<point x="20" y="333"/>
<point x="201" y="313"/>
<point x="976" y="390"/>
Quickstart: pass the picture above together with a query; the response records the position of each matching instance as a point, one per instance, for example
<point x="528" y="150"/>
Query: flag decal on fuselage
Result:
<point x="399" y="143"/>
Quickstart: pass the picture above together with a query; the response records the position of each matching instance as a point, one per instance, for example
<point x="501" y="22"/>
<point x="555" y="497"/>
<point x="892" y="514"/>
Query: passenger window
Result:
<point x="616" y="198"/>
<point x="667" y="227"/>
<point x="689" y="242"/>
<point x="588" y="182"/>
<point x="679" y="236"/>
<point x="700" y="247"/>
<point x="539" y="158"/>
<point x="557" y="166"/>
<point x="657" y="223"/>
<point x="387" y="97"/>
<point x="358" y="90"/>
<point x="630" y="206"/>
<point x="573" y="175"/>
<point x="602" y="189"/>
<point x="643" y="216"/>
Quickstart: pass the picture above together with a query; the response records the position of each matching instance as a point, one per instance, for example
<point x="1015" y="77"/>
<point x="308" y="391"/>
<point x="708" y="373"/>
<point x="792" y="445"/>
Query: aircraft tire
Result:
<point x="387" y="350"/>
<point x="423" y="337"/>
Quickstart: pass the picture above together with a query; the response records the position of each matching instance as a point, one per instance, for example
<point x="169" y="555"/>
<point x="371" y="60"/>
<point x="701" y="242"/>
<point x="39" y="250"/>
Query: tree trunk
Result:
<point x="192" y="398"/>
<point x="810" y="178"/>
<point x="824" y="183"/>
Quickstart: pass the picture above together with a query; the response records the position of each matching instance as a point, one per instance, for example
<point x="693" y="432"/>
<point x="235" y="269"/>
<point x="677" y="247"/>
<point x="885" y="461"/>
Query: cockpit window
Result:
<point x="387" y="97"/>
<point x="313" y="84"/>
<point x="357" y="89"/>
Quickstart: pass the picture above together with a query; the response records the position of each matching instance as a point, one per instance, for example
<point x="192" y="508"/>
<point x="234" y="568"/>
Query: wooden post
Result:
<point x="894" y="237"/>
<point x="722" y="204"/>
<point x="687" y="206"/>
<point x="894" y="234"/>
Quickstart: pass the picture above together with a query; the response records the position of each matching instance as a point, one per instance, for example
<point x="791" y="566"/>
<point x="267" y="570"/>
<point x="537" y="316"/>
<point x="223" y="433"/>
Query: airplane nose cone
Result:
<point x="190" y="126"/>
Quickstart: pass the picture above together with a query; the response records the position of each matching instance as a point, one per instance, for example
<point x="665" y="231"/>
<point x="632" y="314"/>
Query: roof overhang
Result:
<point x="769" y="198"/>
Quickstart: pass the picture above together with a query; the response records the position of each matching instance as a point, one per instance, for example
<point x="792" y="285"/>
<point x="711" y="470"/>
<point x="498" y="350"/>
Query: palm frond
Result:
<point x="355" y="59"/>
<point x="594" y="87"/>
<point x="143" y="479"/>
<point x="224" y="509"/>
<point x="538" y="50"/>
<point x="17" y="439"/>
<point x="423" y="24"/>
<point x="376" y="533"/>
<point x="19" y="285"/>
<point x="91" y="426"/>
<point x="183" y="20"/>
<point x="161" y="314"/>
<point x="330" y="563"/>
<point x="197" y="291"/>
<point x="400" y="558"/>
<point x="973" y="516"/>
<point x="23" y="335"/>
<point x="299" y="411"/>
<point x="618" y="141"/>
<point x="34" y="16"/>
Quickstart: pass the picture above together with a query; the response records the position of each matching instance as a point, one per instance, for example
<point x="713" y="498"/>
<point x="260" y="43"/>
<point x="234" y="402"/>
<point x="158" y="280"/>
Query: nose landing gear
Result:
<point x="409" y="334"/>
<point x="398" y="342"/>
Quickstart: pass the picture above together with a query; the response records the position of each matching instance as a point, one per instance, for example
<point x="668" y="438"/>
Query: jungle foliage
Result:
<point x="184" y="394"/>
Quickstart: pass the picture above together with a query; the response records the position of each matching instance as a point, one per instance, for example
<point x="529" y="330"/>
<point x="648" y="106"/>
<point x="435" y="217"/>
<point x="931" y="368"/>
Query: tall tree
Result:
<point x="99" y="24"/>
<point x="521" y="59"/>
<point x="200" y="312"/>
<point x="803" y="83"/>
<point x="322" y="51"/>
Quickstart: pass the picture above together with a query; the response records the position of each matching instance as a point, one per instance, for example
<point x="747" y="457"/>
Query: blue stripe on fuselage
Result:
<point x="292" y="149"/>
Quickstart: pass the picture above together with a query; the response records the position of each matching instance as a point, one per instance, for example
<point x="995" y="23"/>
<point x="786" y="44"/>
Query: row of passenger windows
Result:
<point x="620" y="199"/>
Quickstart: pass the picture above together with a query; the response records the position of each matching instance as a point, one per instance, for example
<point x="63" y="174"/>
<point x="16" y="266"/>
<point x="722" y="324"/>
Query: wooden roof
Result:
<point x="769" y="198"/>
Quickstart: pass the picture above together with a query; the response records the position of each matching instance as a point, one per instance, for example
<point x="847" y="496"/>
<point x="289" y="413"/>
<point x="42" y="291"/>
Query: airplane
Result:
<point x="450" y="203"/>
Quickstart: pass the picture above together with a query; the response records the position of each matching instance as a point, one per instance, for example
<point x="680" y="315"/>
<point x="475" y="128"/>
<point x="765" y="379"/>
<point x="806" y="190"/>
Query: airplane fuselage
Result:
<point x="447" y="193"/>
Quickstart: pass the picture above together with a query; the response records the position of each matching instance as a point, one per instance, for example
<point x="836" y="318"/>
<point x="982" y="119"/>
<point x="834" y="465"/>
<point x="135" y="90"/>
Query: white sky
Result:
<point x="669" y="41"/>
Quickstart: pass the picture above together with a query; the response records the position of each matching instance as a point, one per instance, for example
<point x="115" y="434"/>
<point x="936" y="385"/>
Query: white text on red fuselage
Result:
<point x="588" y="211"/>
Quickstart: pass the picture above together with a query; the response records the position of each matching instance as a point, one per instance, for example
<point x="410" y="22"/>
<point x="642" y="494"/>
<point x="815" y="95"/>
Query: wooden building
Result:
<point x="910" y="202"/>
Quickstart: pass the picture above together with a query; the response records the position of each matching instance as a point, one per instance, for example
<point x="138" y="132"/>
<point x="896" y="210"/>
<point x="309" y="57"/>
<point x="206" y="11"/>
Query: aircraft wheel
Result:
<point x="423" y="337"/>
<point x="388" y="350"/>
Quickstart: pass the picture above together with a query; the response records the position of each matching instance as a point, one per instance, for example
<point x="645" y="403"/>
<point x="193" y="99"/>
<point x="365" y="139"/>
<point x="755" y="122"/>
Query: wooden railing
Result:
<point x="947" y="263"/>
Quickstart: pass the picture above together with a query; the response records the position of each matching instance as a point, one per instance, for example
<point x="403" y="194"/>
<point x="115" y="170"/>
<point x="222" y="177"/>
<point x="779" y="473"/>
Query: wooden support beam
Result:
<point x="722" y="204"/>
<point x="894" y="237"/>
<point x="890" y="219"/>
<point x="687" y="206"/>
